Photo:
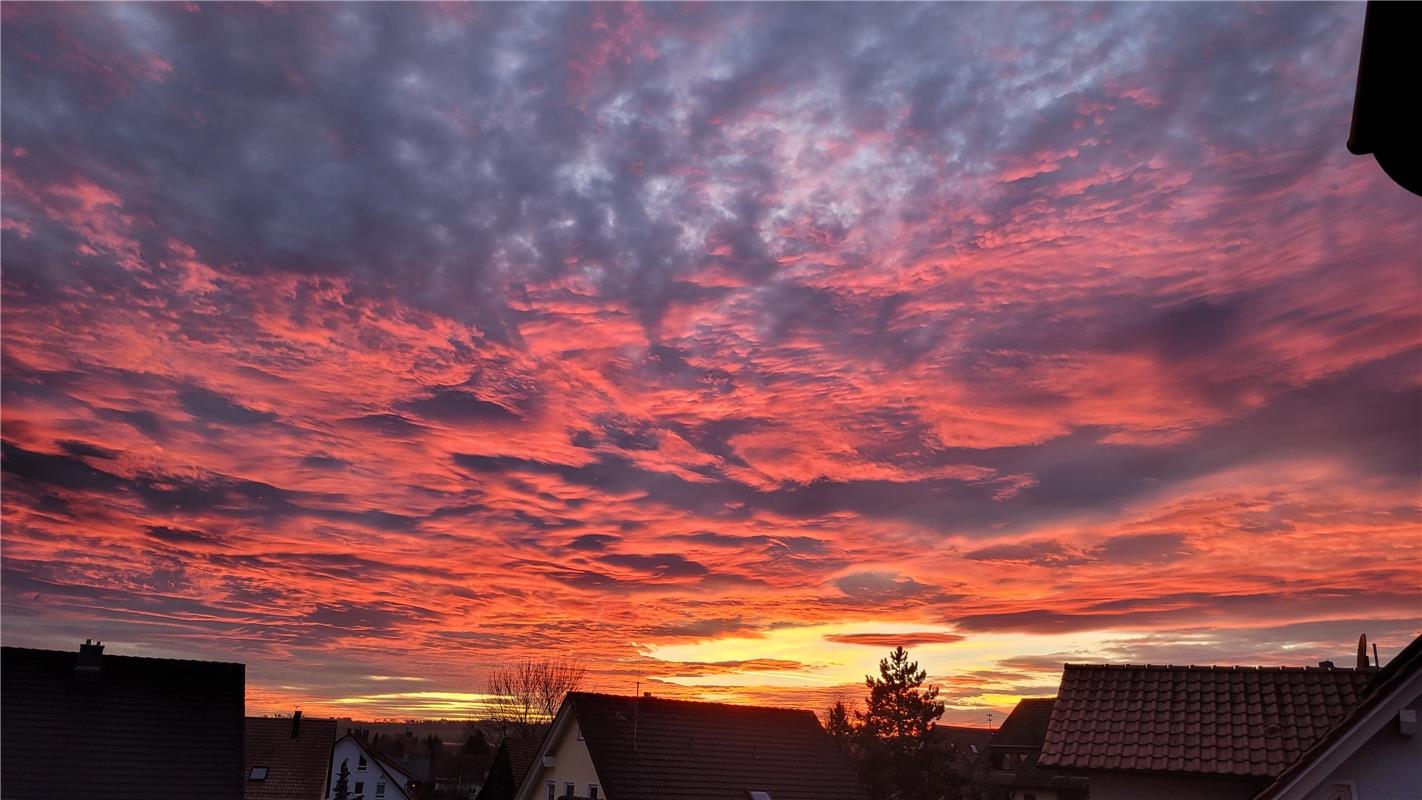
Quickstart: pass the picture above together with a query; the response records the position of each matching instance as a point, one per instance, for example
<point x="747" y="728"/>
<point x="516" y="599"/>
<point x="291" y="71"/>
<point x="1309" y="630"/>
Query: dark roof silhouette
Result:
<point x="509" y="767"/>
<point x="645" y="748"/>
<point x="1023" y="732"/>
<point x="1026" y="726"/>
<point x="521" y="751"/>
<point x="1388" y="63"/>
<point x="966" y="743"/>
<point x="119" y="727"/>
<point x="297" y="768"/>
<point x="1244" y="721"/>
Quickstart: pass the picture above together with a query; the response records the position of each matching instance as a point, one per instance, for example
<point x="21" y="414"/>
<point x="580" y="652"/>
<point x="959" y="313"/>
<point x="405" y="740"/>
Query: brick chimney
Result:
<point x="296" y="723"/>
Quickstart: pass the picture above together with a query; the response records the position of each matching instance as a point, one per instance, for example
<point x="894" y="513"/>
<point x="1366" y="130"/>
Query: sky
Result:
<point x="722" y="347"/>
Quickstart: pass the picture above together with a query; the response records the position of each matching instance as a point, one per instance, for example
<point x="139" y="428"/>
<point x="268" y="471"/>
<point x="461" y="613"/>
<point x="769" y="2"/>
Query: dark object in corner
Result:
<point x="1385" y="115"/>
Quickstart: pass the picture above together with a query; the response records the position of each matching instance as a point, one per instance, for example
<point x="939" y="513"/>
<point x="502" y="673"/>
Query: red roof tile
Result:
<point x="1391" y="678"/>
<point x="1212" y="720"/>
<point x="650" y="748"/>
<point x="297" y="768"/>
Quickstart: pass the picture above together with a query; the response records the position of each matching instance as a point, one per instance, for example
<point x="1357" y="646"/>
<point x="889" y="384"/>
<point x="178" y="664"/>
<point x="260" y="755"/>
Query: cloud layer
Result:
<point x="336" y="333"/>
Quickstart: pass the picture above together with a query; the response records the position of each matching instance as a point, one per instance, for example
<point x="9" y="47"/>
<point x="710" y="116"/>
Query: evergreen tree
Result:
<point x="895" y="733"/>
<point x="342" y="789"/>
<point x="840" y="724"/>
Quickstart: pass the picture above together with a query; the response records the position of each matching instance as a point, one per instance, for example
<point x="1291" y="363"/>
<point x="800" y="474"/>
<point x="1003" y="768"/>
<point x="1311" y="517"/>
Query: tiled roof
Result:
<point x="1026" y="726"/>
<point x="1250" y="721"/>
<point x="297" y="768"/>
<point x="175" y="726"/>
<point x="651" y="748"/>
<point x="509" y="767"/>
<point x="1386" y="681"/>
<point x="521" y="750"/>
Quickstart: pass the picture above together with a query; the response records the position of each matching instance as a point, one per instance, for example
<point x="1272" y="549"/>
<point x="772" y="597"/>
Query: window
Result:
<point x="569" y="789"/>
<point x="380" y="789"/>
<point x="552" y="790"/>
<point x="258" y="774"/>
<point x="361" y="763"/>
<point x="592" y="791"/>
<point x="973" y="748"/>
<point x="360" y="787"/>
<point x="758" y="794"/>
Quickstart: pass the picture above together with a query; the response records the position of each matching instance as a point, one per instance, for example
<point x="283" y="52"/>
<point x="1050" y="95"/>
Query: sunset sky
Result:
<point x="723" y="347"/>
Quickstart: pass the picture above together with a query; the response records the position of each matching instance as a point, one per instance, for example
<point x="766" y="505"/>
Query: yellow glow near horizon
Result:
<point x="831" y="663"/>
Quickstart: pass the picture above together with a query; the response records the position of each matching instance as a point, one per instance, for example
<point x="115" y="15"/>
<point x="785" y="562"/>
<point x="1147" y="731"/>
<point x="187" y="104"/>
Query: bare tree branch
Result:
<point x="525" y="695"/>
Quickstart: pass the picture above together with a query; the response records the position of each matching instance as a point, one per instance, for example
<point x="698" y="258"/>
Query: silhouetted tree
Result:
<point x="899" y="754"/>
<point x="523" y="696"/>
<point x="475" y="744"/>
<point x="840" y="724"/>
<point x="342" y="789"/>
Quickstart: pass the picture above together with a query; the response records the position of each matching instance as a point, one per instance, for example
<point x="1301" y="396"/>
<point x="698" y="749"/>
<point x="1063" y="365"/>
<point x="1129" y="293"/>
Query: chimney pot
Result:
<point x="1326" y="664"/>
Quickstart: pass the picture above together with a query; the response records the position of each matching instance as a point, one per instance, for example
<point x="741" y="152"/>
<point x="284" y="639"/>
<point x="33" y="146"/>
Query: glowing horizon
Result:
<point x="718" y="346"/>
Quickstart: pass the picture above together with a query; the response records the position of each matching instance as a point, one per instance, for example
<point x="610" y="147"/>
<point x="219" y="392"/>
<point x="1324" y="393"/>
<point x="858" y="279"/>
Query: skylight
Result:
<point x="258" y="774"/>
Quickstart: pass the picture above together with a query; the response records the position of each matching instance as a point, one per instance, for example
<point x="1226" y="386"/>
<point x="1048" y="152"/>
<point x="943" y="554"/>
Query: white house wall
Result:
<point x="371" y="777"/>
<point x="1387" y="767"/>
<point x="571" y="764"/>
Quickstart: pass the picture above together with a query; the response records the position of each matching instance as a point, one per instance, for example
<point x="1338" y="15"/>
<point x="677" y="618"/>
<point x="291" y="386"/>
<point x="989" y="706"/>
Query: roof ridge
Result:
<point x="107" y="656"/>
<point x="657" y="699"/>
<point x="1222" y="668"/>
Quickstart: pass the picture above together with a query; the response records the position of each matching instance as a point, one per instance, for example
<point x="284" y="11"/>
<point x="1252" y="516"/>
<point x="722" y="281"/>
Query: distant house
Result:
<point x="287" y="758"/>
<point x="372" y="776"/>
<point x="1013" y="752"/>
<point x="966" y="745"/>
<point x="1374" y="751"/>
<point x="511" y="763"/>
<point x="645" y="748"/>
<point x="1220" y="732"/>
<point x="86" y="725"/>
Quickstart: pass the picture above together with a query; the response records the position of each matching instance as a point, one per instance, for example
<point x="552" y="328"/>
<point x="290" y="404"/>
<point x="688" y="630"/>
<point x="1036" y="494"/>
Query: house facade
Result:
<point x="370" y="775"/>
<point x="646" y="748"/>
<point x="1013" y="753"/>
<point x="563" y="767"/>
